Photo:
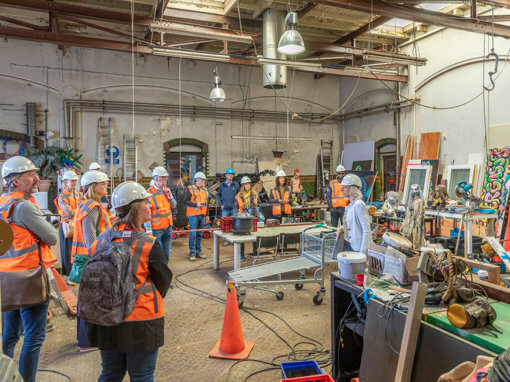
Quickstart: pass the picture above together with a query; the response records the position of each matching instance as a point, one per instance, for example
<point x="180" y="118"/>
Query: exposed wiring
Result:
<point x="55" y="372"/>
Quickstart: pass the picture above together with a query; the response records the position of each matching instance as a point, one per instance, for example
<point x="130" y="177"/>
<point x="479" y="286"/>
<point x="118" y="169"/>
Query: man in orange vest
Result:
<point x="21" y="266"/>
<point x="67" y="203"/>
<point x="197" y="202"/>
<point x="335" y="197"/>
<point x="162" y="201"/>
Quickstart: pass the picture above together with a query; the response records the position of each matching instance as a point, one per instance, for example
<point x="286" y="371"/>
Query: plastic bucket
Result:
<point x="351" y="264"/>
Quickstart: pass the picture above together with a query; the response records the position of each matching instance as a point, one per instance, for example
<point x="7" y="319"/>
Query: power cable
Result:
<point x="55" y="372"/>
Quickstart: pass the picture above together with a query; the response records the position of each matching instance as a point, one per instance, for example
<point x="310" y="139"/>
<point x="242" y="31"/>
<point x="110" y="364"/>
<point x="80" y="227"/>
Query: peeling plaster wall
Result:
<point x="90" y="74"/>
<point x="463" y="127"/>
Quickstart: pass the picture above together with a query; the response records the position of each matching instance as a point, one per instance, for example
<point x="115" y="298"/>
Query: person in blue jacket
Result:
<point x="227" y="192"/>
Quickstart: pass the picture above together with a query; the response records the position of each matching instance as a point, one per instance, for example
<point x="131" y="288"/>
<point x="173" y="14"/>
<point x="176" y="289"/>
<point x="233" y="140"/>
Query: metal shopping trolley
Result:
<point x="317" y="250"/>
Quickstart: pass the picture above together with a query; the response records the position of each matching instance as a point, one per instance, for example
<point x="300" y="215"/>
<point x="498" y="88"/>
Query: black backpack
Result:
<point x="108" y="293"/>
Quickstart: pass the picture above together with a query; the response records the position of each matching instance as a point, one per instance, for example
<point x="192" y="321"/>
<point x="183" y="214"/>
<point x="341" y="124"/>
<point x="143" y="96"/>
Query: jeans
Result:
<point x="226" y="212"/>
<point x="139" y="365"/>
<point x="195" y="238"/>
<point x="165" y="239"/>
<point x="65" y="252"/>
<point x="337" y="215"/>
<point x="33" y="321"/>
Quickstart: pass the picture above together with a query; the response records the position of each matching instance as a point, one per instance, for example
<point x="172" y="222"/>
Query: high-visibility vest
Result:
<point x="71" y="198"/>
<point x="27" y="250"/>
<point x="337" y="195"/>
<point x="161" y="209"/>
<point x="198" y="195"/>
<point x="149" y="305"/>
<point x="85" y="207"/>
<point x="241" y="201"/>
<point x="277" y="207"/>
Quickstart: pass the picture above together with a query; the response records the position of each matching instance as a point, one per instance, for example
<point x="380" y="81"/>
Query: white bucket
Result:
<point x="351" y="264"/>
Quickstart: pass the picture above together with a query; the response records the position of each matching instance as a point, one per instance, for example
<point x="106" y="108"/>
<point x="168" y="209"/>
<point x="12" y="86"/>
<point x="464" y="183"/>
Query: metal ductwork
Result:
<point x="274" y="76"/>
<point x="31" y="117"/>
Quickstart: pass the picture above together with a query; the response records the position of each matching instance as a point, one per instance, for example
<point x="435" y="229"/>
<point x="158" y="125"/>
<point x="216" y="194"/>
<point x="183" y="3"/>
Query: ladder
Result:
<point x="104" y="148"/>
<point x="130" y="157"/>
<point x="324" y="167"/>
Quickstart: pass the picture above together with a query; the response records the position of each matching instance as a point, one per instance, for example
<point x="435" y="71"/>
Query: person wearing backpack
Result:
<point x="133" y="344"/>
<point x="90" y="220"/>
<point x="356" y="224"/>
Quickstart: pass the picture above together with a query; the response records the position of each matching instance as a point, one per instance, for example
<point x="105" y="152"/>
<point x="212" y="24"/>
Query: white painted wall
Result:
<point x="463" y="127"/>
<point x="105" y="75"/>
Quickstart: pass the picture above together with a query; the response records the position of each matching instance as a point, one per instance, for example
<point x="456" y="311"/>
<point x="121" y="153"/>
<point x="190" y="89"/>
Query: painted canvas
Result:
<point x="367" y="180"/>
<point x="496" y="185"/>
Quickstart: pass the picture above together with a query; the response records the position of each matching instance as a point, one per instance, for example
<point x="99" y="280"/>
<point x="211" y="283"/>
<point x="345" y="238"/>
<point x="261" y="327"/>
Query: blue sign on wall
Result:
<point x="115" y="154"/>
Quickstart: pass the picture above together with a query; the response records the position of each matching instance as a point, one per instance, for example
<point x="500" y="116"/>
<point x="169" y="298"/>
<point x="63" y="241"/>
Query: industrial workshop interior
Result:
<point x="255" y="190"/>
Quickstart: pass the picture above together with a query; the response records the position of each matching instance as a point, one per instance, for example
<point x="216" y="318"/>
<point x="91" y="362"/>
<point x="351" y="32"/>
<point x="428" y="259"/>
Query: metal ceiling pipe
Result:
<point x="274" y="76"/>
<point x="30" y="113"/>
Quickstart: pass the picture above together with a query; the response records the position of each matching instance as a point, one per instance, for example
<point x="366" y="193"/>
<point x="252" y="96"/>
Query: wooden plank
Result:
<point x="411" y="333"/>
<point x="497" y="292"/>
<point x="429" y="145"/>
<point x="493" y="270"/>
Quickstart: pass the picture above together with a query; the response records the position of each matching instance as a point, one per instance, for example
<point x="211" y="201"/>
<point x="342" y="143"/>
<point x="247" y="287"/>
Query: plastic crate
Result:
<point x="300" y="369"/>
<point x="311" y="378"/>
<point x="226" y="224"/>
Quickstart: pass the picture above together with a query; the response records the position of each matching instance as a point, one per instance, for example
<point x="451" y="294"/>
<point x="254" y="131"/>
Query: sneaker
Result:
<point x="87" y="349"/>
<point x="192" y="257"/>
<point x="201" y="256"/>
<point x="71" y="283"/>
<point x="243" y="257"/>
<point x="50" y="327"/>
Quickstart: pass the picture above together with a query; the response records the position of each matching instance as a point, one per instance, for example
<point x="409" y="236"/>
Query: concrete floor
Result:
<point x="193" y="326"/>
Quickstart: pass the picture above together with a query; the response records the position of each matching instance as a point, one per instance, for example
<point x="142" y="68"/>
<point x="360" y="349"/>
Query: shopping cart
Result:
<point x="318" y="248"/>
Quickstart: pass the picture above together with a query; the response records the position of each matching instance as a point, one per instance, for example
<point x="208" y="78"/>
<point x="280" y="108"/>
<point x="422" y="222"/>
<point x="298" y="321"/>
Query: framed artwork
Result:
<point x="367" y="182"/>
<point x="419" y="175"/>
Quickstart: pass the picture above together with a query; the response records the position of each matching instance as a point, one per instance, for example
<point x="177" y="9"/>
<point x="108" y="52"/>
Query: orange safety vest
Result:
<point x="149" y="305"/>
<point x="86" y="206"/>
<point x="277" y="207"/>
<point x="161" y="209"/>
<point x="240" y="201"/>
<point x="27" y="250"/>
<point x="198" y="195"/>
<point x="337" y="195"/>
<point x="72" y="198"/>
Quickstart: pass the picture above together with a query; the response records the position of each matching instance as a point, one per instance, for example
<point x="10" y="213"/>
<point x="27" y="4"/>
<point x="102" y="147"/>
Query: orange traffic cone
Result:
<point x="231" y="345"/>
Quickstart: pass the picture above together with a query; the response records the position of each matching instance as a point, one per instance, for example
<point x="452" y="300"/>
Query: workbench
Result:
<point x="237" y="240"/>
<point x="437" y="352"/>
<point x="316" y="208"/>
<point x="467" y="218"/>
<point x="388" y="220"/>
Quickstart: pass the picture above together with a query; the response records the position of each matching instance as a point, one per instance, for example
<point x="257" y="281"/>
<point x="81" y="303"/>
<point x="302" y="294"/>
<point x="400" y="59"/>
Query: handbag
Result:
<point x="77" y="268"/>
<point x="23" y="289"/>
<point x="68" y="228"/>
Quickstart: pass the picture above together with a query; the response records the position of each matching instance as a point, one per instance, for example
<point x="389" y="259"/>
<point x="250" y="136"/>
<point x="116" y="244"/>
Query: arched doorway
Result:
<point x="184" y="157"/>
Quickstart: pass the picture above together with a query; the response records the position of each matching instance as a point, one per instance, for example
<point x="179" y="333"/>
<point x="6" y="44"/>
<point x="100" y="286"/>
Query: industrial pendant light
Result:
<point x="291" y="41"/>
<point x="217" y="93"/>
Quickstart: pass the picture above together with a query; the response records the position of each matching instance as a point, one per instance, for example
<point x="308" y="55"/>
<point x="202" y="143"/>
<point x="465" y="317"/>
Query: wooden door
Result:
<point x="389" y="166"/>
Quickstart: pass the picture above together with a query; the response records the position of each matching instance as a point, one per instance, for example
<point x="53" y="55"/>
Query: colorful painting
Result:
<point x="367" y="180"/>
<point x="496" y="184"/>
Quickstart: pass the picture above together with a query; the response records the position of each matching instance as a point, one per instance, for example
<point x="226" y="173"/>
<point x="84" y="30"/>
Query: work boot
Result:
<point x="192" y="257"/>
<point x="201" y="256"/>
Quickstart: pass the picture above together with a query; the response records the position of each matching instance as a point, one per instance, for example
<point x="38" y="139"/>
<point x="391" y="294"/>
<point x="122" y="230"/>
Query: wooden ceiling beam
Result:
<point x="365" y="28"/>
<point x="11" y="20"/>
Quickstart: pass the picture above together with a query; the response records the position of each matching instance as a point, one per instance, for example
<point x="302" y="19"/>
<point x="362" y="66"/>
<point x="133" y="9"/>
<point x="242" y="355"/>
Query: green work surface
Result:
<point x="480" y="336"/>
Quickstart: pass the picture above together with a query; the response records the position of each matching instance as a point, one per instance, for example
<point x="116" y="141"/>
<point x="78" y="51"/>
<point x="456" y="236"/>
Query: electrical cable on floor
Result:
<point x="322" y="356"/>
<point x="55" y="372"/>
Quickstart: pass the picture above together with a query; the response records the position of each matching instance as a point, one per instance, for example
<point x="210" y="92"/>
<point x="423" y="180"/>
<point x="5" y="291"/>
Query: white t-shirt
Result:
<point x="357" y="225"/>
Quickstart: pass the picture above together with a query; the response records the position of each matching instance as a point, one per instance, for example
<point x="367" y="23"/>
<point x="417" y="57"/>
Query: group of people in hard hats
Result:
<point x="132" y="346"/>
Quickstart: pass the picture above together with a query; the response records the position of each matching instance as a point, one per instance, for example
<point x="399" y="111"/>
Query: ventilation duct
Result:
<point x="274" y="76"/>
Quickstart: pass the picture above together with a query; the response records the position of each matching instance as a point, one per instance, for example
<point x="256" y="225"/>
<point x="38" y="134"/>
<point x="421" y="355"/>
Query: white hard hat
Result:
<point x="17" y="165"/>
<point x="128" y="192"/>
<point x="245" y="180"/>
<point x="69" y="175"/>
<point x="351" y="180"/>
<point x="94" y="166"/>
<point x="340" y="168"/>
<point x="280" y="173"/>
<point x="159" y="171"/>
<point x="93" y="176"/>
<point x="199" y="175"/>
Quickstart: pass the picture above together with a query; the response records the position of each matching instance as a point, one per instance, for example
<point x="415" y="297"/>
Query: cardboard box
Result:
<point x="389" y="260"/>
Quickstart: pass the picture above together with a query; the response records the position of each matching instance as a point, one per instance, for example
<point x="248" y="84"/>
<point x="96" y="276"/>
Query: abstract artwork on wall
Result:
<point x="367" y="181"/>
<point x="496" y="184"/>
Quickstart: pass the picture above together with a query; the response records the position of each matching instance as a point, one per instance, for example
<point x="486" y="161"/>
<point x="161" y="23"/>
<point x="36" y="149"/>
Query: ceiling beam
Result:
<point x="182" y="14"/>
<point x="419" y="15"/>
<point x="76" y="10"/>
<point x="497" y="18"/>
<point x="71" y="39"/>
<point x="365" y="28"/>
<point x="10" y="20"/>
<point x="306" y="9"/>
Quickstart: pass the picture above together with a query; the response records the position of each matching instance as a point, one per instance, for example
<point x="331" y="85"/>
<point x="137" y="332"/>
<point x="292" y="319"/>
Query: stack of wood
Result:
<point x="408" y="154"/>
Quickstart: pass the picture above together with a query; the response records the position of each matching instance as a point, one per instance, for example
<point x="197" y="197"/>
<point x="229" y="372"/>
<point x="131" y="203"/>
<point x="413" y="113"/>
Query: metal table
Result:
<point x="316" y="207"/>
<point x="237" y="240"/>
<point x="468" y="218"/>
